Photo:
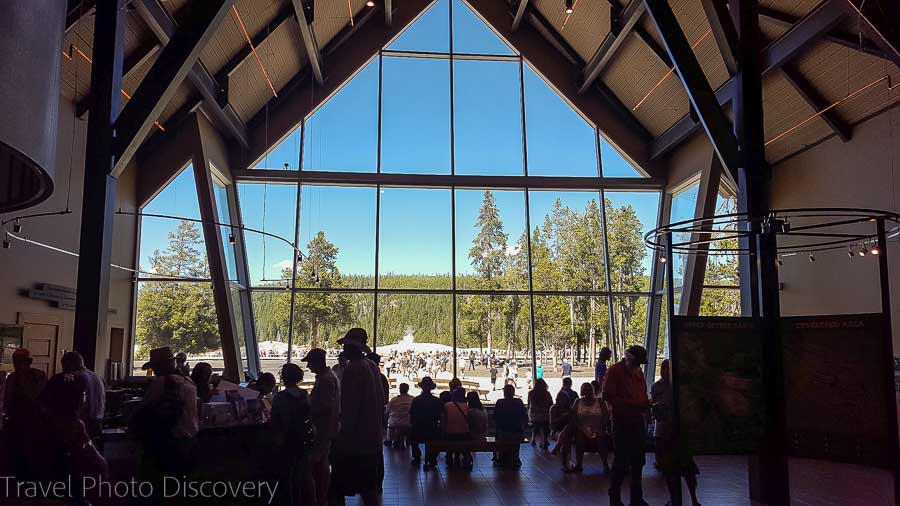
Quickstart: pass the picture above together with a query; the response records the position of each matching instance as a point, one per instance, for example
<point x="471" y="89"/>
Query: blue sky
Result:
<point x="416" y="138"/>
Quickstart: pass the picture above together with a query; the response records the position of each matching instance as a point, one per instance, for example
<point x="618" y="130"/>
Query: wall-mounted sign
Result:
<point x="61" y="297"/>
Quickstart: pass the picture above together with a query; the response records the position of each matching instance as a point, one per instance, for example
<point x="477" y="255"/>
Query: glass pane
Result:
<point x="284" y="156"/>
<point x="614" y="164"/>
<point x="567" y="241"/>
<point x="472" y="36"/>
<point x="630" y="321"/>
<point x="429" y="33"/>
<point x="271" y="311"/>
<point x="488" y="117"/>
<point x="722" y="264"/>
<point x="415" y="123"/>
<point x="228" y="235"/>
<point x="159" y="322"/>
<point x="662" y="350"/>
<point x="560" y="142"/>
<point x="269" y="208"/>
<point x="416" y="329"/>
<point x="720" y="302"/>
<point x="683" y="207"/>
<point x="571" y="329"/>
<point x="629" y="216"/>
<point x="320" y="319"/>
<point x="337" y="228"/>
<point x="494" y="332"/>
<point x="169" y="246"/>
<point x="415" y="248"/>
<point x="330" y="143"/>
<point x="491" y="247"/>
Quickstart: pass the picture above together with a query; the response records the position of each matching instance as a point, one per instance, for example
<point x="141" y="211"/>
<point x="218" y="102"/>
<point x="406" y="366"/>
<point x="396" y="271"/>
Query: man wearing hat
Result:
<point x="167" y="417"/>
<point x="358" y="465"/>
<point x="325" y="400"/>
<point x="21" y="428"/>
<point x="625" y="390"/>
<point x="425" y="416"/>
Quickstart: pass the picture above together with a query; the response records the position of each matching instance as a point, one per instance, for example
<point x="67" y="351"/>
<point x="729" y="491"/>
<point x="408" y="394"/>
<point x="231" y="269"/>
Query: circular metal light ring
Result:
<point x="810" y="237"/>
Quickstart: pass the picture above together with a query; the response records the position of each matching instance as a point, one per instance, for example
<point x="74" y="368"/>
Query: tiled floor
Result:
<point x="723" y="482"/>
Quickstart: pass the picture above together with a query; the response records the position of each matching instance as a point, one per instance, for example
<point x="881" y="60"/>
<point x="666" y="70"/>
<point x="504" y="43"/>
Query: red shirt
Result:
<point x="626" y="391"/>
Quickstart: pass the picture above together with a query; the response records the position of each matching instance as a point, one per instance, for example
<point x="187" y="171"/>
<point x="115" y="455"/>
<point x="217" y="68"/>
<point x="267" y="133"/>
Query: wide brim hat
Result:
<point x="157" y="356"/>
<point x="315" y="356"/>
<point x="357" y="338"/>
<point x="427" y="382"/>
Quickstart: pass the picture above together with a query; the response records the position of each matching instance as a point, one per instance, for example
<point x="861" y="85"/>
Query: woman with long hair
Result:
<point x="539" y="403"/>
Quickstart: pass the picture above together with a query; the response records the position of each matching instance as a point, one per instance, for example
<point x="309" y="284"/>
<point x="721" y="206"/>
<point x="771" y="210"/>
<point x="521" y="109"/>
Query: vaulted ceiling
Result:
<point x="255" y="80"/>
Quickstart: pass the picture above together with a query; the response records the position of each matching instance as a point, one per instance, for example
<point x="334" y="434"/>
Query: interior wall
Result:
<point x="858" y="173"/>
<point x="25" y="265"/>
<point x="688" y="160"/>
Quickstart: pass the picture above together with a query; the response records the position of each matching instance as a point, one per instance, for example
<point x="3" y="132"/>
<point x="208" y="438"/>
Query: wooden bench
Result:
<point x="489" y="444"/>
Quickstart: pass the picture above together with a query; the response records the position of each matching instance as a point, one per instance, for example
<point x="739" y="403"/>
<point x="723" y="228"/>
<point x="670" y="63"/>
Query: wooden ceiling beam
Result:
<point x="855" y="42"/>
<point x="882" y="20"/>
<point x="134" y="61"/>
<point x="723" y="30"/>
<point x="78" y="9"/>
<point x="817" y="102"/>
<point x="304" y="11"/>
<point x="804" y="33"/>
<point x="622" y="22"/>
<point x="283" y="16"/>
<point x="168" y="72"/>
<point x="700" y="93"/>
<point x="223" y="117"/>
<point x="520" y="14"/>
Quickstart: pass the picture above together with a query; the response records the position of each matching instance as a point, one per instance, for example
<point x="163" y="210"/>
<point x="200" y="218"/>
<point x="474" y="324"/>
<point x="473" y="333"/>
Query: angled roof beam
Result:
<point x="723" y="30"/>
<point x="541" y="45"/>
<point x="845" y="40"/>
<point x="817" y="102"/>
<point x="348" y="51"/>
<point x="622" y="22"/>
<point x="134" y="61"/>
<point x="520" y="14"/>
<point x="163" y="26"/>
<point x="283" y="16"/>
<point x="76" y="9"/>
<point x="804" y="33"/>
<point x="819" y="21"/>
<point x="881" y="18"/>
<point x="705" y="102"/>
<point x="388" y="13"/>
<point x="303" y="9"/>
<point x="170" y="69"/>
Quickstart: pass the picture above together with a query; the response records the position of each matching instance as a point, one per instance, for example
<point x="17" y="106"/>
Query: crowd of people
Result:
<point x="326" y="443"/>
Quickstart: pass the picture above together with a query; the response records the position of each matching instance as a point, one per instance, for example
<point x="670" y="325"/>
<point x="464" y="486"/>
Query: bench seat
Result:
<point x="489" y="444"/>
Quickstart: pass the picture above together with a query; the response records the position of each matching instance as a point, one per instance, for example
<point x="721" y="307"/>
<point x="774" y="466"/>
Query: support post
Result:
<point x="98" y="208"/>
<point x="215" y="252"/>
<point x="888" y="342"/>
<point x="674" y="359"/>
<point x="654" y="305"/>
<point x="758" y="272"/>
<point x="695" y="270"/>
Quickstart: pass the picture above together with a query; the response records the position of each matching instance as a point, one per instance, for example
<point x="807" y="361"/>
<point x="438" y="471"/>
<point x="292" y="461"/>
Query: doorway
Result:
<point x="41" y="338"/>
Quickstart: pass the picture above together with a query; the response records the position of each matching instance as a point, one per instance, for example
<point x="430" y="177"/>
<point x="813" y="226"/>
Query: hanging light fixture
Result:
<point x="875" y="249"/>
<point x="850" y="251"/>
<point x="570" y="6"/>
<point x="370" y="3"/>
<point x="863" y="251"/>
<point x="779" y="261"/>
<point x="17" y="227"/>
<point x="812" y="258"/>
<point x="663" y="259"/>
<point x="230" y="238"/>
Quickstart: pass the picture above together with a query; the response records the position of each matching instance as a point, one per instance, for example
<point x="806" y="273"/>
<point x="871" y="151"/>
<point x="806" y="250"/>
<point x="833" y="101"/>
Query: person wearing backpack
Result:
<point x="166" y="422"/>
<point x="292" y="436"/>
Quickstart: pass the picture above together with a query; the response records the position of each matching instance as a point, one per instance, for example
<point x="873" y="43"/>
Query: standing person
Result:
<point x="674" y="461"/>
<point x="471" y="360"/>
<point x="385" y="384"/>
<point x="181" y="364"/>
<point x="493" y="375"/>
<point x="166" y="421"/>
<point x="539" y="371"/>
<point x="202" y="378"/>
<point x="600" y="368"/>
<point x="358" y="461"/>
<point x="567" y="389"/>
<point x="91" y="412"/>
<point x="539" y="403"/>
<point x="590" y="419"/>
<point x="398" y="418"/>
<point x="566" y="369"/>
<point x="287" y="425"/>
<point x="626" y="392"/>
<point x="510" y="418"/>
<point x="325" y="402"/>
<point x="22" y="417"/>
<point x="424" y="416"/>
<point x="339" y="367"/>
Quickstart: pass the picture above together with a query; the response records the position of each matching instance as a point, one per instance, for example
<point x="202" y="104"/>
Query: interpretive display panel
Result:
<point x="837" y="389"/>
<point x="719" y="380"/>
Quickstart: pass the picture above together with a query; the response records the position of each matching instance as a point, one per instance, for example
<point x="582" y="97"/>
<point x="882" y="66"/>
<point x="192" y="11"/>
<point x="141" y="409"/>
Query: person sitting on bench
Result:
<point x="510" y="418"/>
<point x="455" y="422"/>
<point x="424" y="416"/>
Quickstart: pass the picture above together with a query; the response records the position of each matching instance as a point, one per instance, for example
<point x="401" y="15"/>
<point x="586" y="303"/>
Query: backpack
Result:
<point x="153" y="422"/>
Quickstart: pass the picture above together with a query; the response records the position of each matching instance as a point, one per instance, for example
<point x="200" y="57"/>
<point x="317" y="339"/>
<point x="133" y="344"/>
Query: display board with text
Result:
<point x="719" y="381"/>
